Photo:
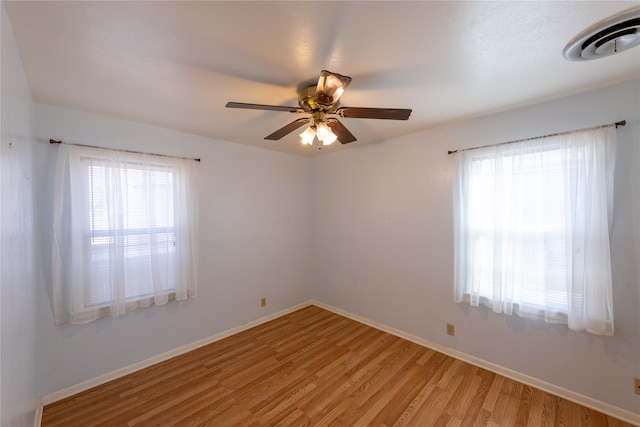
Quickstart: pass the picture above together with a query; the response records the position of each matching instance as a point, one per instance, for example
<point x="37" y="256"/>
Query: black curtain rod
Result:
<point x="53" y="141"/>
<point x="616" y="124"/>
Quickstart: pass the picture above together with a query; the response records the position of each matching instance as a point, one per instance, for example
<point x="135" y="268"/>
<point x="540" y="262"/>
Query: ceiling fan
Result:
<point x="322" y="100"/>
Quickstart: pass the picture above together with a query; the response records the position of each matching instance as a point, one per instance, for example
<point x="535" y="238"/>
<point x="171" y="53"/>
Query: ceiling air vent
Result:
<point x="610" y="36"/>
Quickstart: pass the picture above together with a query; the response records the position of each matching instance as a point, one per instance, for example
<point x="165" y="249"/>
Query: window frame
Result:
<point x="90" y="232"/>
<point x="532" y="232"/>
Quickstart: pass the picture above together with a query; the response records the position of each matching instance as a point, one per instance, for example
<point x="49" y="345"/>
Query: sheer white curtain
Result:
<point x="532" y="222"/>
<point x="124" y="232"/>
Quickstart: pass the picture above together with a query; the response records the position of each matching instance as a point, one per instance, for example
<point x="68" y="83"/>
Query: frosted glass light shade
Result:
<point x="325" y="134"/>
<point x="308" y="135"/>
<point x="330" y="87"/>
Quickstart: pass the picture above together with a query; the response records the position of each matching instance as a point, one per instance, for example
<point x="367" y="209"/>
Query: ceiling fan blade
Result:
<point x="330" y="87"/>
<point x="264" y="107"/>
<point x="374" y="113"/>
<point x="343" y="134"/>
<point x="286" y="130"/>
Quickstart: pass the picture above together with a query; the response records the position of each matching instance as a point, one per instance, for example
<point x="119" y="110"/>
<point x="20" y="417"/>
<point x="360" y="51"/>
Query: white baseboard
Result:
<point x="37" y="422"/>
<point x="118" y="373"/>
<point x="578" y="398"/>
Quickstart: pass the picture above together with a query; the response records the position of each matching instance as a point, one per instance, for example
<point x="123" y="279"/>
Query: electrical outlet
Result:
<point x="636" y="385"/>
<point x="451" y="330"/>
<point x="263" y="302"/>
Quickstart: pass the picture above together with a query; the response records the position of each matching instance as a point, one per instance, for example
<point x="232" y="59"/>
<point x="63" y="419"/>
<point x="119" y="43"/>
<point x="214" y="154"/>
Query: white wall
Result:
<point x="254" y="227"/>
<point x="19" y="398"/>
<point x="383" y="246"/>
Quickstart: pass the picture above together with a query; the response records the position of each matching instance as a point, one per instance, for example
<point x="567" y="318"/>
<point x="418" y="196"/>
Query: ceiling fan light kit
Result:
<point x="607" y="37"/>
<point x="318" y="128"/>
<point x="319" y="101"/>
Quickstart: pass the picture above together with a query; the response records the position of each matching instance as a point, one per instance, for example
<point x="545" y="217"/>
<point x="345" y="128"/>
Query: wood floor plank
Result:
<point x="313" y="367"/>
<point x="66" y="409"/>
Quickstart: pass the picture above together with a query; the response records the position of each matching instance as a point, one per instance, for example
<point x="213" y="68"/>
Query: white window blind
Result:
<point x="124" y="232"/>
<point x="146" y="232"/>
<point x="532" y="226"/>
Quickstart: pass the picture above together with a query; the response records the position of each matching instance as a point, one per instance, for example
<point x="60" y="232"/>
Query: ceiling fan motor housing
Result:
<point x="307" y="100"/>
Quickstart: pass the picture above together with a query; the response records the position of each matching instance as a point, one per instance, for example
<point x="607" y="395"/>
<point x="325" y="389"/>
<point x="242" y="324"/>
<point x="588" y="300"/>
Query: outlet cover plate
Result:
<point x="451" y="329"/>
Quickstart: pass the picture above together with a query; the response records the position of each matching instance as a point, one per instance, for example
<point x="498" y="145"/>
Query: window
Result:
<point x="532" y="226"/>
<point x="124" y="232"/>
<point x="146" y="232"/>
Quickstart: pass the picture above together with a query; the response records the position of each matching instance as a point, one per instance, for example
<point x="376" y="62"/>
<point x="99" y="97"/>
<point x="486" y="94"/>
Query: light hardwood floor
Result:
<point x="313" y="367"/>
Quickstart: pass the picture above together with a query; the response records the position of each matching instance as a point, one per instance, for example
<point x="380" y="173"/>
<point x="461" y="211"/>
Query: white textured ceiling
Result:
<point x="175" y="64"/>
